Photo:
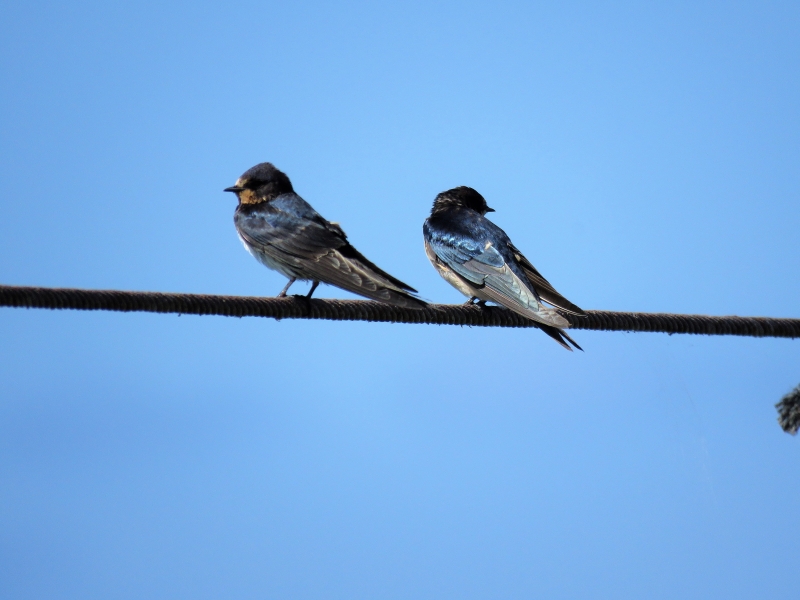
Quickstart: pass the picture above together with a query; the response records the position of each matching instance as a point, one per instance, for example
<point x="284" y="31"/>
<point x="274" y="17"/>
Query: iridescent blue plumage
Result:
<point x="477" y="258"/>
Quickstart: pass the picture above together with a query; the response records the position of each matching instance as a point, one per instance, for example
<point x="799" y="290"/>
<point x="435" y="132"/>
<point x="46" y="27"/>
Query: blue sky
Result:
<point x="644" y="156"/>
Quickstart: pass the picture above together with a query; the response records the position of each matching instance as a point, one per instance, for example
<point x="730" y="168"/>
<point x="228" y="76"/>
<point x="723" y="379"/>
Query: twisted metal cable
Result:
<point x="299" y="307"/>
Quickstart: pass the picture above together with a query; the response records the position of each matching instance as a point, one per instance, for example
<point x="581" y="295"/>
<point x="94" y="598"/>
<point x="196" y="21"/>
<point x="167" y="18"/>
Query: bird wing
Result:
<point x="543" y="287"/>
<point x="320" y="250"/>
<point x="484" y="267"/>
<point x="348" y="269"/>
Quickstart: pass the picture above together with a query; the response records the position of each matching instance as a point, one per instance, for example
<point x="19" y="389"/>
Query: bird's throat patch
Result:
<point x="250" y="197"/>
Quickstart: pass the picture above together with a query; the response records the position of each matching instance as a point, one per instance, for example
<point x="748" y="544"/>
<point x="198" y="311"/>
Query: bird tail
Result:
<point x="559" y="335"/>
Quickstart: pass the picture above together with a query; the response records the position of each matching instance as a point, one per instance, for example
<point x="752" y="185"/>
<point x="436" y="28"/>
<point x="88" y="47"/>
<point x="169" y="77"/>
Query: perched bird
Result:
<point x="283" y="232"/>
<point x="477" y="258"/>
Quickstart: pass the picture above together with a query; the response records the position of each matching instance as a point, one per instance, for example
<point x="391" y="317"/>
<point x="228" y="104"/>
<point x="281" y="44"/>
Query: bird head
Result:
<point x="461" y="197"/>
<point x="261" y="183"/>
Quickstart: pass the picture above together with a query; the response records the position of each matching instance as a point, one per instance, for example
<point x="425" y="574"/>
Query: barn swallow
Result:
<point x="477" y="258"/>
<point x="283" y="232"/>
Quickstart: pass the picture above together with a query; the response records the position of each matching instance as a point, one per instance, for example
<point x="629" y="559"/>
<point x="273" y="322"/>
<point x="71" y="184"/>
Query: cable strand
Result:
<point x="299" y="307"/>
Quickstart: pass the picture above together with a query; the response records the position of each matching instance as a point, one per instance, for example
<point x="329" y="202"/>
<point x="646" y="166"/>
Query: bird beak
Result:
<point x="487" y="209"/>
<point x="234" y="188"/>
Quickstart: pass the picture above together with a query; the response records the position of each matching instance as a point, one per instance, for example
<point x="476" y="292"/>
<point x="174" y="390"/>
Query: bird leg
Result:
<point x="471" y="301"/>
<point x="313" y="287"/>
<point x="286" y="289"/>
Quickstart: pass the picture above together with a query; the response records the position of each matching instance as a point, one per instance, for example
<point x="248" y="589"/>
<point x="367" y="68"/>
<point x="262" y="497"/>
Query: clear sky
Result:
<point x="645" y="156"/>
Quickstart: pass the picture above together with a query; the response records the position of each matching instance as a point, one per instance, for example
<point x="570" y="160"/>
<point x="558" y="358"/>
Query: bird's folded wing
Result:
<point x="324" y="254"/>
<point x="485" y="267"/>
<point x="354" y="256"/>
<point x="543" y="287"/>
<point x="336" y="268"/>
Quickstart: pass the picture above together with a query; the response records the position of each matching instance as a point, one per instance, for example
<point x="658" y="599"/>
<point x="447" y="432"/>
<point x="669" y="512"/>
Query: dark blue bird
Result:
<point x="283" y="232"/>
<point x="477" y="258"/>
